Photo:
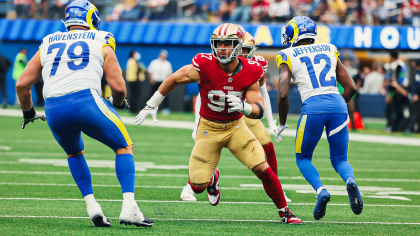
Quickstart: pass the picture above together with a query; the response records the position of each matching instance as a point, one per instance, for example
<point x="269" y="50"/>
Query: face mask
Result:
<point x="137" y="56"/>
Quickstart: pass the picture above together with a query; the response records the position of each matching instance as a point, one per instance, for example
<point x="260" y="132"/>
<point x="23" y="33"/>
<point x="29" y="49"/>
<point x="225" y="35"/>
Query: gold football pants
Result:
<point x="212" y="137"/>
<point x="259" y="130"/>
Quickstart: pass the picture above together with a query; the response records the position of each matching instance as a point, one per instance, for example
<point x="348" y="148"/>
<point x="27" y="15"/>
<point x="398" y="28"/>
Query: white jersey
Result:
<point x="313" y="68"/>
<point x="72" y="61"/>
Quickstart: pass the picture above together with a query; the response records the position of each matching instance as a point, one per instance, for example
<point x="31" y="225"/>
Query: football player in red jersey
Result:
<point x="225" y="80"/>
<point x="255" y="125"/>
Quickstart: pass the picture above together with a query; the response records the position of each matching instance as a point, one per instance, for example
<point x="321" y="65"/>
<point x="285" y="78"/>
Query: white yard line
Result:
<point x="238" y="167"/>
<point x="288" y="132"/>
<point x="224" y="176"/>
<point x="217" y="220"/>
<point x="204" y="202"/>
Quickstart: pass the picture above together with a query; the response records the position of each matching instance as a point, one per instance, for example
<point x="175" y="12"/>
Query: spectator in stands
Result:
<point x="280" y="11"/>
<point x="58" y="8"/>
<point x="134" y="75"/>
<point x="226" y="8"/>
<point x="410" y="13"/>
<point x="415" y="109"/>
<point x="352" y="16"/>
<point x="4" y="67"/>
<point x="198" y="10"/>
<point x="242" y="13"/>
<point x="259" y="11"/>
<point x="39" y="9"/>
<point x="119" y="8"/>
<point x="321" y="10"/>
<point x="18" y="67"/>
<point x="398" y="112"/>
<point x="373" y="81"/>
<point x="155" y="10"/>
<point x="22" y="8"/>
<point x="382" y="13"/>
<point x="307" y="8"/>
<point x="159" y="69"/>
<point x="338" y="8"/>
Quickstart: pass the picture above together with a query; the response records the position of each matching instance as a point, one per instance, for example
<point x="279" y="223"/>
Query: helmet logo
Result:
<point x="240" y="33"/>
<point x="67" y="15"/>
<point x="80" y="14"/>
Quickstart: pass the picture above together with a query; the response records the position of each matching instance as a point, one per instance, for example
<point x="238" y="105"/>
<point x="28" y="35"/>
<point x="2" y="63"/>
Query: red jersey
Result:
<point x="262" y="61"/>
<point x="215" y="84"/>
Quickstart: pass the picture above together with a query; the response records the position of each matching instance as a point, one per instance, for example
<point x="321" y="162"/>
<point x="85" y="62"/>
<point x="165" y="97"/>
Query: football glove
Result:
<point x="147" y="111"/>
<point x="272" y="127"/>
<point x="31" y="116"/>
<point x="124" y="105"/>
<point x="280" y="129"/>
<point x="236" y="104"/>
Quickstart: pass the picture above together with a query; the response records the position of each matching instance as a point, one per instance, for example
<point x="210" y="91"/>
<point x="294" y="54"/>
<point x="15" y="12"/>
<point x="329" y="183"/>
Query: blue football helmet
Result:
<point x="300" y="27"/>
<point x="84" y="13"/>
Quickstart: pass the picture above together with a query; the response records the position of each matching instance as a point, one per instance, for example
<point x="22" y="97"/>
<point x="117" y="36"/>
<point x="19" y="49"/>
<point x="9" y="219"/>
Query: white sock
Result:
<point x="318" y="191"/>
<point x="90" y="199"/>
<point x="282" y="209"/>
<point x="128" y="196"/>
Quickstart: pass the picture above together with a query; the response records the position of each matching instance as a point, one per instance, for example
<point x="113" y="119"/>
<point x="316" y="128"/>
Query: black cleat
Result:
<point x="145" y="223"/>
<point x="98" y="221"/>
<point x="356" y="202"/>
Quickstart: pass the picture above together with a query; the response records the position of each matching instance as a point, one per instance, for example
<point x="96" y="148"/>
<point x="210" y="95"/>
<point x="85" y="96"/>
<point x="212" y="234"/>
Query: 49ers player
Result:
<point x="255" y="125"/>
<point x="225" y="80"/>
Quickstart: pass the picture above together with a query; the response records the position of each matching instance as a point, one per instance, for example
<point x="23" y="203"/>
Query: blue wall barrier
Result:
<point x="170" y="33"/>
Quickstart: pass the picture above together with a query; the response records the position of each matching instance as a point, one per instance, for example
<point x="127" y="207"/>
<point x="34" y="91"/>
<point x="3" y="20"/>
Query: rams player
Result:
<point x="225" y="80"/>
<point x="315" y="69"/>
<point x="72" y="64"/>
<point x="255" y="125"/>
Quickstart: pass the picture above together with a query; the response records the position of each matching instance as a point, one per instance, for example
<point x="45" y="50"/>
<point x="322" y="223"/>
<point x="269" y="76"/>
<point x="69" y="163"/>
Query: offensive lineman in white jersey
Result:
<point x="72" y="64"/>
<point x="315" y="69"/>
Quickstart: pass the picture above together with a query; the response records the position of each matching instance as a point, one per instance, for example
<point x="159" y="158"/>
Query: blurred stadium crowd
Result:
<point x="364" y="12"/>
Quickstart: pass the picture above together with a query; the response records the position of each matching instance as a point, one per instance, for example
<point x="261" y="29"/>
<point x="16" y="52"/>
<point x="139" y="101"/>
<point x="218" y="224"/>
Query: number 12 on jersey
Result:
<point x="324" y="72"/>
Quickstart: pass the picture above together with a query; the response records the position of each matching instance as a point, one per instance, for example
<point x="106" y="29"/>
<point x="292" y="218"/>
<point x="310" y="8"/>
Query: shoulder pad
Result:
<point x="282" y="58"/>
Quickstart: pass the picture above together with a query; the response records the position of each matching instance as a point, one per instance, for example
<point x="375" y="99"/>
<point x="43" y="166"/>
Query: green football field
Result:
<point x="38" y="194"/>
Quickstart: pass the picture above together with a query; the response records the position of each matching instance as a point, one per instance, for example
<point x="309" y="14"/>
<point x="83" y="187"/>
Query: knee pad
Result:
<point x="200" y="177"/>
<point x="254" y="155"/>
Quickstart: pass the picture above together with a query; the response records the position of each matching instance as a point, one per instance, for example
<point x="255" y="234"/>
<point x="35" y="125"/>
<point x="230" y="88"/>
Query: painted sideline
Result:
<point x="288" y="132"/>
<point x="218" y="220"/>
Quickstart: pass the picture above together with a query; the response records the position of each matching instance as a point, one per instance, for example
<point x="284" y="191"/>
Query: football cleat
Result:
<point x="321" y="204"/>
<point x="213" y="192"/>
<point x="96" y="216"/>
<point x="288" y="217"/>
<point x="356" y="202"/>
<point x="131" y="215"/>
<point x="187" y="194"/>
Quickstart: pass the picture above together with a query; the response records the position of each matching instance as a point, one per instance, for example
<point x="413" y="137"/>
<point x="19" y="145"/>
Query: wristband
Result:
<point x="29" y="113"/>
<point x="261" y="111"/>
<point x="155" y="100"/>
<point x="247" y="109"/>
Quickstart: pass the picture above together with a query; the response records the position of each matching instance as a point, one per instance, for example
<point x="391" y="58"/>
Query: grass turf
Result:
<point x="375" y="165"/>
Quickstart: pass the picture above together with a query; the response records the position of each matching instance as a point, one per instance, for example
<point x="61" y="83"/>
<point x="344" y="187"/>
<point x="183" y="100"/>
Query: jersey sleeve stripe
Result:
<point x="282" y="58"/>
<point x="337" y="54"/>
